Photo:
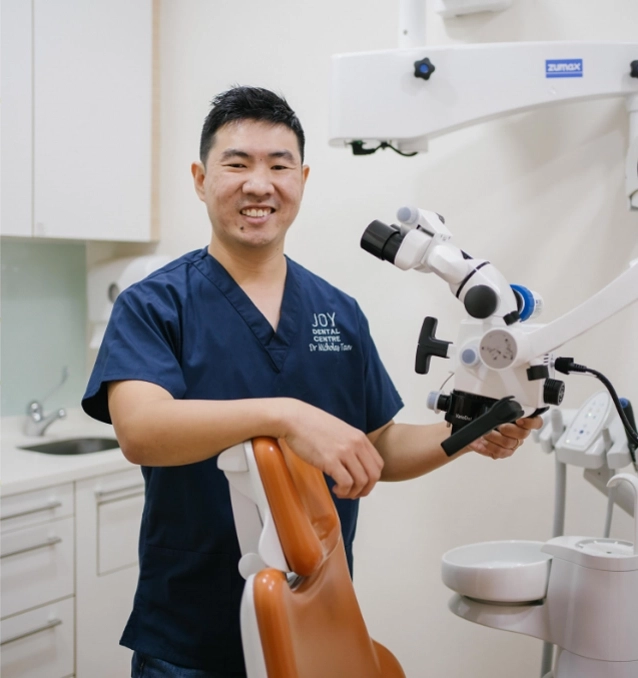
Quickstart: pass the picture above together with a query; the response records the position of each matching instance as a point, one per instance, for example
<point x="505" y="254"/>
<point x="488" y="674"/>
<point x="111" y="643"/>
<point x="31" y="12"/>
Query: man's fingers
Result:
<point x="343" y="480"/>
<point x="372" y="465"/>
<point x="356" y="472"/>
<point x="529" y="423"/>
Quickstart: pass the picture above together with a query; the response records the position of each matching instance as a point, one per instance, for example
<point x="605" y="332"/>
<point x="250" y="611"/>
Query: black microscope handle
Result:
<point x="502" y="412"/>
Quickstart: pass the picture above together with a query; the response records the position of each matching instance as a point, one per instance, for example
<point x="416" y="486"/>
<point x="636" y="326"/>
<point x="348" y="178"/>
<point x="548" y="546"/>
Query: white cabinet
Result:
<point x="37" y="584"/>
<point x="16" y="138"/>
<point x="107" y="522"/>
<point x="68" y="577"/>
<point x="77" y="119"/>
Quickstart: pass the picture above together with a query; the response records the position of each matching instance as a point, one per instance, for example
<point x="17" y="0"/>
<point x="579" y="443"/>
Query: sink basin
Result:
<point x="74" y="446"/>
<point x="498" y="571"/>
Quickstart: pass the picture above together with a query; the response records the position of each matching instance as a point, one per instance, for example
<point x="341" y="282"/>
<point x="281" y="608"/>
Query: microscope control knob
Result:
<point x="634" y="69"/>
<point x="553" y="391"/>
<point x="423" y="69"/>
<point x="480" y="301"/>
<point x="429" y="346"/>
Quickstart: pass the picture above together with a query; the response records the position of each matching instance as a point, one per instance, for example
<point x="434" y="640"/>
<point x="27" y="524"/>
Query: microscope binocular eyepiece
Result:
<point x="382" y="241"/>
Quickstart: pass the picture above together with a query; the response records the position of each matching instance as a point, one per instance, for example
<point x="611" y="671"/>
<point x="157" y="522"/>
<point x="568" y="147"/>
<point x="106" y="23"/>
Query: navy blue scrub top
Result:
<point x="192" y="330"/>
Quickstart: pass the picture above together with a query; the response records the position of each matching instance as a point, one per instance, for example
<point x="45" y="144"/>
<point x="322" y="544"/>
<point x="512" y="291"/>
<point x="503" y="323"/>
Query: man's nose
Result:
<point x="258" y="182"/>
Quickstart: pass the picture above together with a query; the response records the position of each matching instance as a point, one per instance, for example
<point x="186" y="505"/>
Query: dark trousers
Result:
<point x="149" y="667"/>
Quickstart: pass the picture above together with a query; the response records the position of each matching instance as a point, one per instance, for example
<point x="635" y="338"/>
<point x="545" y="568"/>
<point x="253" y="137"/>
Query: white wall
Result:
<point x="540" y="194"/>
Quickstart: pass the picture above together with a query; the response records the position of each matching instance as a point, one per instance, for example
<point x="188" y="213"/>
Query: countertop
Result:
<point x="23" y="470"/>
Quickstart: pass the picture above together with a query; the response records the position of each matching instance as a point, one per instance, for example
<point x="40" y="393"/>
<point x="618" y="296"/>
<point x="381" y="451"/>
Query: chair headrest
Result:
<point x="305" y="515"/>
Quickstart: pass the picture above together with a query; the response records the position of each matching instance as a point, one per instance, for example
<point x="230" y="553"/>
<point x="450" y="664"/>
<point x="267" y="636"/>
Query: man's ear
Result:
<point x="305" y="171"/>
<point x="199" y="174"/>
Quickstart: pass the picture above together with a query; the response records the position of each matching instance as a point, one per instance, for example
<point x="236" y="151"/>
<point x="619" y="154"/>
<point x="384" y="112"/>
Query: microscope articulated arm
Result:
<point x="619" y="293"/>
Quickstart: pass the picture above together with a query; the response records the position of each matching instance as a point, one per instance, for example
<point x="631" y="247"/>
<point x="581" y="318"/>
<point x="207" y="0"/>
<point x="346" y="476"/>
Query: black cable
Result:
<point x="359" y="149"/>
<point x="567" y="365"/>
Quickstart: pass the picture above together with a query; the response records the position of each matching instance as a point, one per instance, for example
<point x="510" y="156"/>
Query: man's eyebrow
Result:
<point x="286" y="155"/>
<point x="234" y="153"/>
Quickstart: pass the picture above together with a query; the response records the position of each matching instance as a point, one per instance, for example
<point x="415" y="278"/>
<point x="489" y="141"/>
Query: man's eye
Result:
<point x="235" y="165"/>
<point x="280" y="167"/>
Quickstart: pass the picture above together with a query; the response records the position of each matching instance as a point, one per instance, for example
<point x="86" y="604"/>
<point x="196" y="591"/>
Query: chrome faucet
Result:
<point x="37" y="423"/>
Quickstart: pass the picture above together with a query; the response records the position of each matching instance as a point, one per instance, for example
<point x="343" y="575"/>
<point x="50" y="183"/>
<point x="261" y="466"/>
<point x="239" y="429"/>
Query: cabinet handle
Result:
<point x="51" y="541"/>
<point x="47" y="507"/>
<point x="46" y="627"/>
<point x="133" y="490"/>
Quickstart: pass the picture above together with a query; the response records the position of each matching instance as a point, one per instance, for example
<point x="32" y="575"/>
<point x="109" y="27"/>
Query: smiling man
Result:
<point x="230" y="342"/>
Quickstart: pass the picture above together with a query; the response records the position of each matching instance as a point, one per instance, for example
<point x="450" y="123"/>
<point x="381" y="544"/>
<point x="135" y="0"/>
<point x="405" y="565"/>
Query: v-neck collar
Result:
<point x="275" y="343"/>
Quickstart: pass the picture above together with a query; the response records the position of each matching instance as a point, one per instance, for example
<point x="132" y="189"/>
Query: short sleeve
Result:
<point x="142" y="342"/>
<point x="382" y="398"/>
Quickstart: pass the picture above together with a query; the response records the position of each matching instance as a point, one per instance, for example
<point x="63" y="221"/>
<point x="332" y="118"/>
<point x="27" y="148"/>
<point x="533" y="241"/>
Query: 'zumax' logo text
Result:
<point x="563" y="68"/>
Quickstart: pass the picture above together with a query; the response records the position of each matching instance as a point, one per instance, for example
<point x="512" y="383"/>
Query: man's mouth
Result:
<point x="257" y="212"/>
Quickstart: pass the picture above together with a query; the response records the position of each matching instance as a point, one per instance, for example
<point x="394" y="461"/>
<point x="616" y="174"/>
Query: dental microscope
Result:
<point x="503" y="366"/>
<point x="571" y="591"/>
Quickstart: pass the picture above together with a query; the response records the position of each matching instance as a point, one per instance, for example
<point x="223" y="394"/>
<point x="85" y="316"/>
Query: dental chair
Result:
<point x="299" y="614"/>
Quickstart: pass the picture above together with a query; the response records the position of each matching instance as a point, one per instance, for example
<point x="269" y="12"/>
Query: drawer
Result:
<point x="39" y="643"/>
<point x="32" y="508"/>
<point x="37" y="565"/>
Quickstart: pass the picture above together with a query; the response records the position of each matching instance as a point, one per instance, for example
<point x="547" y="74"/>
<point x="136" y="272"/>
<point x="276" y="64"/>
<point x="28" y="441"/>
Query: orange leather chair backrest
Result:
<point x="312" y="628"/>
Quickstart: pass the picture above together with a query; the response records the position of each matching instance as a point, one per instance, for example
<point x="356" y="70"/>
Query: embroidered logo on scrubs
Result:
<point x="326" y="336"/>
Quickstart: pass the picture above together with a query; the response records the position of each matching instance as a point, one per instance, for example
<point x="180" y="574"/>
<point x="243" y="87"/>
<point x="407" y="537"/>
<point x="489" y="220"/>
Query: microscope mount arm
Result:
<point x="404" y="97"/>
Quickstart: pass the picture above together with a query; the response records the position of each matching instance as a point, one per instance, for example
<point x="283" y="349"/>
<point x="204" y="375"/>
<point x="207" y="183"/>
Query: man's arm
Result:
<point x="409" y="451"/>
<point x="154" y="429"/>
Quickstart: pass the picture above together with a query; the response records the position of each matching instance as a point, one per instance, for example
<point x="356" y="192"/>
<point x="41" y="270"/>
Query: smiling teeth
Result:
<point x="256" y="213"/>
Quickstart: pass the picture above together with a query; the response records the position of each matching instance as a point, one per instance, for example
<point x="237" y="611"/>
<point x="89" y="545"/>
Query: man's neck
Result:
<point x="249" y="265"/>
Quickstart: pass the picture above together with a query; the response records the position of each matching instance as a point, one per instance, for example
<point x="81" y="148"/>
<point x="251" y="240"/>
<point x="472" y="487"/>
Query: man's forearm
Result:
<point x="409" y="451"/>
<point x="177" y="432"/>
<point x="154" y="429"/>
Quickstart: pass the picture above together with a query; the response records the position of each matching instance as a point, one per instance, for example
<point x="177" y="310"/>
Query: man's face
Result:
<point x="252" y="184"/>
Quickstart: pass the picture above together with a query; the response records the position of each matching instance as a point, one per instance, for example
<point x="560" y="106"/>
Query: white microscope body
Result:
<point x="503" y="368"/>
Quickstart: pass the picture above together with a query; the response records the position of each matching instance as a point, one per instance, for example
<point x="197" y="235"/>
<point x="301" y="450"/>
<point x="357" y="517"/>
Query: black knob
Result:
<point x="429" y="346"/>
<point x="634" y="69"/>
<point x="423" y="69"/>
<point x="553" y="391"/>
<point x="443" y="402"/>
<point x="480" y="301"/>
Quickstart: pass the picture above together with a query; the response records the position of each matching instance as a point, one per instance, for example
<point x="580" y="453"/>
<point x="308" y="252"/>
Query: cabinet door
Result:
<point x="108" y="515"/>
<point x="16" y="149"/>
<point x="92" y="119"/>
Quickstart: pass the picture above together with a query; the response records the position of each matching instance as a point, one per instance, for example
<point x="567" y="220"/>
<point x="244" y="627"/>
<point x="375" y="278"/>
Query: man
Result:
<point x="218" y="347"/>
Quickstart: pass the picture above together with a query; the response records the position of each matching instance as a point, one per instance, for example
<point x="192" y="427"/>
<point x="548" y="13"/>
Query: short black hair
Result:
<point x="248" y="103"/>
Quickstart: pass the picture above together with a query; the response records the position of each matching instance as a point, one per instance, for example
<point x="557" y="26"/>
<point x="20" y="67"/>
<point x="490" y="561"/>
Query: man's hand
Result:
<point x="336" y="448"/>
<point x="503" y="441"/>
